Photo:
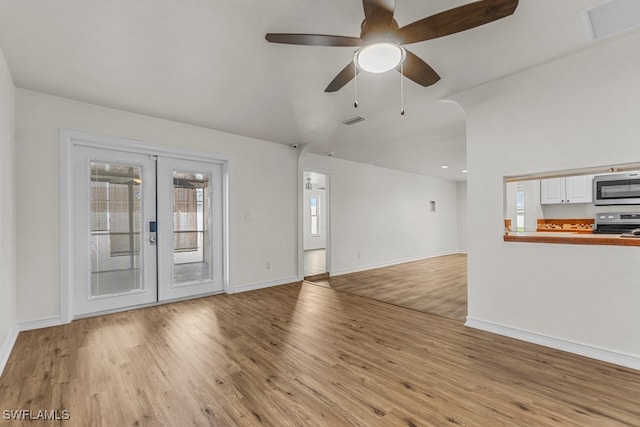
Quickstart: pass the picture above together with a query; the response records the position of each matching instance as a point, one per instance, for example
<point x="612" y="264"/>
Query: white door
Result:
<point x="146" y="229"/>
<point x="114" y="203"/>
<point x="189" y="228"/>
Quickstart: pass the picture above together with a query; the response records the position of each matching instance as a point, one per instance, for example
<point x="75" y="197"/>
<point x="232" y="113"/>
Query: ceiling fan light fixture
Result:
<point x="379" y="57"/>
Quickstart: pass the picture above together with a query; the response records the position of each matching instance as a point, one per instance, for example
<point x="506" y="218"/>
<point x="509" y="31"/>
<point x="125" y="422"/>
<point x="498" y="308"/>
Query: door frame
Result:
<point x="68" y="139"/>
<point x="301" y="213"/>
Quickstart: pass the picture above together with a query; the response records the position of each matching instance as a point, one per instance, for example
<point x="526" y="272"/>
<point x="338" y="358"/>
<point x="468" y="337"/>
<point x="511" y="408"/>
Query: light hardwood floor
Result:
<point x="435" y="285"/>
<point x="300" y="354"/>
<point x="315" y="262"/>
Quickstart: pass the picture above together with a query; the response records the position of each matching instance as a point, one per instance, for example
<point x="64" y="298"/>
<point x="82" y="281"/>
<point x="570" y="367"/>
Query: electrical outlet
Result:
<point x="359" y="255"/>
<point x="268" y="266"/>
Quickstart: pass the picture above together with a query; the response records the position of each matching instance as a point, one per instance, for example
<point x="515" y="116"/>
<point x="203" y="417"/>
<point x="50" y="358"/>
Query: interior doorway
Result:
<point x="316" y="220"/>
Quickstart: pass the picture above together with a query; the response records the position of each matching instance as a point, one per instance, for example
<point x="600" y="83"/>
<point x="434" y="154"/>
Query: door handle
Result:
<point x="153" y="228"/>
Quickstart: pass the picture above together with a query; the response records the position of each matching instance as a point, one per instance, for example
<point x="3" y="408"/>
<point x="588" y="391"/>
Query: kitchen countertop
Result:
<point x="570" y="238"/>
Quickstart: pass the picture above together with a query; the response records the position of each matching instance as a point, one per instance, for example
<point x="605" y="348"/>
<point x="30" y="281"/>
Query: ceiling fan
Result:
<point x="381" y="42"/>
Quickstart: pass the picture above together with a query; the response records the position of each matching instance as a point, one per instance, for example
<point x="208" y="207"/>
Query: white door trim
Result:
<point x="68" y="139"/>
<point x="301" y="213"/>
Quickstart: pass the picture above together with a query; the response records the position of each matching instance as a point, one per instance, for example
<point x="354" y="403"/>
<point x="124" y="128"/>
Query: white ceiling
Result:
<point x="206" y="62"/>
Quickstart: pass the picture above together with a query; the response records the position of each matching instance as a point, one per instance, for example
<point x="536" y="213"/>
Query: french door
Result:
<point x="189" y="228"/>
<point x="146" y="229"/>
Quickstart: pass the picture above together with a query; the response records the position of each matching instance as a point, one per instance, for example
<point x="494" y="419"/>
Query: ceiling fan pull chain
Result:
<point x="355" y="81"/>
<point x="402" y="89"/>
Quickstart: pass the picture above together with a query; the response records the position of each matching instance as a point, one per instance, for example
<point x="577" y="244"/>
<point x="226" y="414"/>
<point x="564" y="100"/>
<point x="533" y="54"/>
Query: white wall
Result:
<point x="7" y="211"/>
<point x="383" y="215"/>
<point x="255" y="165"/>
<point x="580" y="111"/>
<point x="462" y="216"/>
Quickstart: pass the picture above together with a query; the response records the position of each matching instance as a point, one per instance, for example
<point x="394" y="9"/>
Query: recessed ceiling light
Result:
<point x="444" y="167"/>
<point x="464" y="171"/>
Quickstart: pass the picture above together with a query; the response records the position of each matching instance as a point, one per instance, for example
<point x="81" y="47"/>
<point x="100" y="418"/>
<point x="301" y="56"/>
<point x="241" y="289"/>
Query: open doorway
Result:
<point x="315" y="196"/>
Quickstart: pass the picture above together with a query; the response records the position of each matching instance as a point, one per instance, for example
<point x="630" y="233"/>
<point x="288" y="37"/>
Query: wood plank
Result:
<point x="435" y="285"/>
<point x="300" y="354"/>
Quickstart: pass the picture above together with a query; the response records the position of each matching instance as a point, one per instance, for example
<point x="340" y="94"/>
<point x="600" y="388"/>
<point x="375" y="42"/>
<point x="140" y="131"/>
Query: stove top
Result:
<point x="616" y="222"/>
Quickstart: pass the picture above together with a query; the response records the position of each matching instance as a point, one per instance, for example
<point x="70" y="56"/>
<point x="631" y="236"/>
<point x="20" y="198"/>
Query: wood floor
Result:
<point x="298" y="355"/>
<point x="315" y="262"/>
<point x="435" y="285"/>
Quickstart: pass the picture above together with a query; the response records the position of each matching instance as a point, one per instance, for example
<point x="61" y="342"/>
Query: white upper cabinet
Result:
<point x="552" y="191"/>
<point x="579" y="189"/>
<point x="571" y="189"/>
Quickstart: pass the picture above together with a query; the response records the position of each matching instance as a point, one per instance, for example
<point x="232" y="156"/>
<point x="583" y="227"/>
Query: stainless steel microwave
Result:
<point x="617" y="189"/>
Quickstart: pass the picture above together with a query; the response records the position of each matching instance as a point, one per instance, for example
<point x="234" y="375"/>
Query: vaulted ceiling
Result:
<point x="206" y="62"/>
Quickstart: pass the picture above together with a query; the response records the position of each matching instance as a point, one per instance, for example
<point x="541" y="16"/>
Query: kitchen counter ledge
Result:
<point x="569" y="238"/>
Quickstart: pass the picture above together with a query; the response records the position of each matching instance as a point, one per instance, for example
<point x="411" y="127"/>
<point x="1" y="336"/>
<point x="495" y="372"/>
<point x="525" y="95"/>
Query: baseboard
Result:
<point x="39" y="323"/>
<point x="262" y="285"/>
<point x="6" y="347"/>
<point x="597" y="353"/>
<point x="388" y="263"/>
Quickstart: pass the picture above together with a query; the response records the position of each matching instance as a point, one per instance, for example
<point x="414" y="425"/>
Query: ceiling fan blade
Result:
<point x="345" y="76"/>
<point x="418" y="70"/>
<point x="457" y="19"/>
<point x="378" y="14"/>
<point x="313" y="39"/>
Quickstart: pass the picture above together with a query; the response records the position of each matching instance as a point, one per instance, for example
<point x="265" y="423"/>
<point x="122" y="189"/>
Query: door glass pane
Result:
<point x="115" y="225"/>
<point x="192" y="256"/>
<point x="315" y="218"/>
<point x="520" y="199"/>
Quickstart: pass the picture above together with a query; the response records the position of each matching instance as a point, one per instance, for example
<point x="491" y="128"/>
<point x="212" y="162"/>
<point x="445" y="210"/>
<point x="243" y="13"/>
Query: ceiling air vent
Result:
<point x="353" y="120"/>
<point x="612" y="17"/>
